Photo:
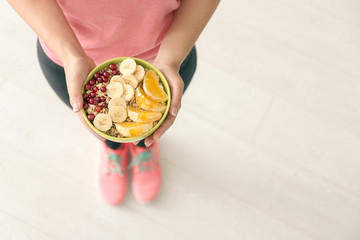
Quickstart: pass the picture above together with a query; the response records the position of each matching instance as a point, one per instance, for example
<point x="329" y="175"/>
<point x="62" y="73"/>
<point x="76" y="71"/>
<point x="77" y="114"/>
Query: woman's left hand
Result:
<point x="171" y="73"/>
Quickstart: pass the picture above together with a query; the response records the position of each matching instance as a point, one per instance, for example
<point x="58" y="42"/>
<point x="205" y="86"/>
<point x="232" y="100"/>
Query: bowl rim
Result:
<point x="145" y="64"/>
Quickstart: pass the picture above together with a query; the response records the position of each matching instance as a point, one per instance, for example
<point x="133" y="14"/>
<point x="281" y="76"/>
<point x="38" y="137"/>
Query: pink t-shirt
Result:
<point x="117" y="28"/>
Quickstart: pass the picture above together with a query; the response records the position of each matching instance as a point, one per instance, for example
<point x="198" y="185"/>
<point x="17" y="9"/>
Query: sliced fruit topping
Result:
<point x="128" y="66"/>
<point x="130" y="79"/>
<point x="141" y="116"/>
<point x="118" y="114"/>
<point x="146" y="103"/>
<point x="117" y="78"/>
<point x="152" y="87"/>
<point x="115" y="89"/>
<point x="129" y="92"/>
<point x="139" y="73"/>
<point x="103" y="122"/>
<point x="119" y="101"/>
<point x="131" y="129"/>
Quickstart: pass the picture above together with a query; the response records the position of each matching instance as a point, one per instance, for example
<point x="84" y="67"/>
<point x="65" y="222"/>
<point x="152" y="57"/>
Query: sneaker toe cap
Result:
<point x="146" y="191"/>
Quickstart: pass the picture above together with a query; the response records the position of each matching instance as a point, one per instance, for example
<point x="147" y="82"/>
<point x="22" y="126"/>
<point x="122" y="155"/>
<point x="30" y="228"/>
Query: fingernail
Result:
<point x="174" y="111"/>
<point x="76" y="107"/>
<point x="150" y="143"/>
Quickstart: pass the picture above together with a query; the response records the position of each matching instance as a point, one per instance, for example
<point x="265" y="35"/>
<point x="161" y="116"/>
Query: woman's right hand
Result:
<point x="76" y="72"/>
<point x="46" y="18"/>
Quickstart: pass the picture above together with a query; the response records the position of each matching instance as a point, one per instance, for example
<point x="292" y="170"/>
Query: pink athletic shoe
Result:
<point x="112" y="175"/>
<point x="146" y="172"/>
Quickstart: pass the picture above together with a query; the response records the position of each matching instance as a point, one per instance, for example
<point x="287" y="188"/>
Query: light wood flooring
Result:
<point x="265" y="147"/>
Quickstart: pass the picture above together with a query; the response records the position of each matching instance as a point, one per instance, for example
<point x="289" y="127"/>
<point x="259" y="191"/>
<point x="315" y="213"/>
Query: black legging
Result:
<point x="55" y="76"/>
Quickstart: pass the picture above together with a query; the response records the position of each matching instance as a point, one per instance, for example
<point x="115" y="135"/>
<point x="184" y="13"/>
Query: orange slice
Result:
<point x="141" y="116"/>
<point x="131" y="129"/>
<point x="153" y="88"/>
<point x="146" y="103"/>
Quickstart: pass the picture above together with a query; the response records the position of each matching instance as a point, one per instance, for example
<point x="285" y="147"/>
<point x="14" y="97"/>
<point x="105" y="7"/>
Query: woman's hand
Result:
<point x="76" y="71"/>
<point x="171" y="73"/>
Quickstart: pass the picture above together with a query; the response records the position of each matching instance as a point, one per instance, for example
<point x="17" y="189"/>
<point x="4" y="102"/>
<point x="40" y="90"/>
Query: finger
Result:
<point x="176" y="88"/>
<point x="169" y="121"/>
<point x="136" y="142"/>
<point x="79" y="114"/>
<point x="149" y="140"/>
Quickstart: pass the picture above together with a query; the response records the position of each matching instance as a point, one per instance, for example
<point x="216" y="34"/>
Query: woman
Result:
<point x="75" y="36"/>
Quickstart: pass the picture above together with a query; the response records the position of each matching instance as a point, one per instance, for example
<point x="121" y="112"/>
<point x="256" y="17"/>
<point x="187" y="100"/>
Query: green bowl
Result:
<point x="145" y="65"/>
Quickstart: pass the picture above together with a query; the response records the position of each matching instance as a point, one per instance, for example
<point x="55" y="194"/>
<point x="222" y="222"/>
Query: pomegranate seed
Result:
<point x="87" y="86"/>
<point x="91" y="117"/>
<point x="103" y="89"/>
<point x="98" y="108"/>
<point x="91" y="100"/>
<point x="92" y="94"/>
<point x="106" y="74"/>
<point x="85" y="95"/>
<point x="97" y="99"/>
<point x="86" y="105"/>
<point x="105" y="79"/>
<point x="115" y="72"/>
<point x="95" y="102"/>
<point x="112" y="66"/>
<point x="102" y="98"/>
<point x="99" y="79"/>
<point x="95" y="89"/>
<point x="92" y="82"/>
<point x="96" y="75"/>
<point x="105" y="105"/>
<point x="102" y="71"/>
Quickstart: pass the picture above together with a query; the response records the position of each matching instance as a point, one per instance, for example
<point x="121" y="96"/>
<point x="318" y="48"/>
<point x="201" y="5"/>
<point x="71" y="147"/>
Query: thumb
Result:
<point x="75" y="95"/>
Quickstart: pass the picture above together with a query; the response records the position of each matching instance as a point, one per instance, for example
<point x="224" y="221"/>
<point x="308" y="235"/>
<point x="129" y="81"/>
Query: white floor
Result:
<point x="266" y="146"/>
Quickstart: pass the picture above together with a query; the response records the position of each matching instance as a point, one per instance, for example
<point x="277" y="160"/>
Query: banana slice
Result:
<point x="139" y="73"/>
<point x="118" y="101"/>
<point x="129" y="92"/>
<point x="141" y="116"/>
<point x="117" y="78"/>
<point x="103" y="122"/>
<point x="118" y="114"/>
<point x="131" y="129"/>
<point x="130" y="79"/>
<point x="128" y="66"/>
<point x="115" y="89"/>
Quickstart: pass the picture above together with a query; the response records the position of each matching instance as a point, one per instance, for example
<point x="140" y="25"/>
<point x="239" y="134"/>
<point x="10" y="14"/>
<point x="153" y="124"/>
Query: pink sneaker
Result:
<point x="112" y="175"/>
<point x="146" y="172"/>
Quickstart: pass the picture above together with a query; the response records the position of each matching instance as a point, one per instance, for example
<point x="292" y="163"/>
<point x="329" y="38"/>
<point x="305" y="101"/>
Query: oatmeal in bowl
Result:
<point x="125" y="99"/>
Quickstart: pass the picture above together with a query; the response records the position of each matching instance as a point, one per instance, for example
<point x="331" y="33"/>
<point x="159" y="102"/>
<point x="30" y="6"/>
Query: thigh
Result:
<point x="54" y="74"/>
<point x="188" y="67"/>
